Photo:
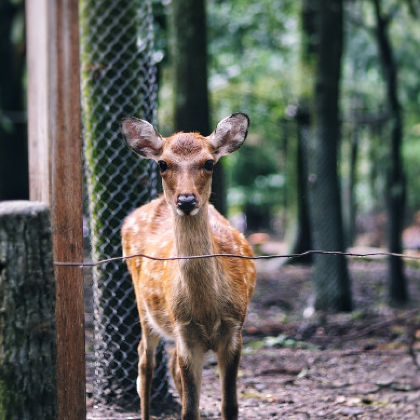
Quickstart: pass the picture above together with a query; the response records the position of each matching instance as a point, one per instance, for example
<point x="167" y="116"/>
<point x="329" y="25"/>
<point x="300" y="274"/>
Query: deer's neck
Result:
<point x="193" y="237"/>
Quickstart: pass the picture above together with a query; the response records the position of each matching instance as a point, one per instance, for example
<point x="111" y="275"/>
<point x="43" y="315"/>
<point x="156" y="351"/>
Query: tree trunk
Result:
<point x="13" y="128"/>
<point x="27" y="313"/>
<point x="395" y="191"/>
<point x="331" y="279"/>
<point x="299" y="221"/>
<point x="352" y="205"/>
<point x="118" y="80"/>
<point x="189" y="55"/>
<point x="298" y="192"/>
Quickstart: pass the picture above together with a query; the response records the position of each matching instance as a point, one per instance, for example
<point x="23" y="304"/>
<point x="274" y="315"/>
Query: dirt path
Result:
<point x="295" y="368"/>
<point x="312" y="384"/>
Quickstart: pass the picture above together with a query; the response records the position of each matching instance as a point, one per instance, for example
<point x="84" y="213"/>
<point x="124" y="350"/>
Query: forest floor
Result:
<point x="360" y="365"/>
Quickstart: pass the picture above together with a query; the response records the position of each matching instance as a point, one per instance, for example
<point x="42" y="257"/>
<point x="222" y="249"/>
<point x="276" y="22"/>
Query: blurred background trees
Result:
<point x="331" y="279"/>
<point x="330" y="142"/>
<point x="13" y="128"/>
<point x="189" y="62"/>
<point x="395" y="177"/>
<point x="269" y="59"/>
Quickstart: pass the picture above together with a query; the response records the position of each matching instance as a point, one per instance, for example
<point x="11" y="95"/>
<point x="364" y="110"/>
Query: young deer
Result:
<point x="200" y="303"/>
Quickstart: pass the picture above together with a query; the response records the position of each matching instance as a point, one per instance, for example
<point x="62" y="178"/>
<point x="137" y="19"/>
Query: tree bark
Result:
<point x="298" y="203"/>
<point x="331" y="279"/>
<point x="298" y="222"/>
<point x="27" y="313"/>
<point x="352" y="205"/>
<point x="396" y="183"/>
<point x="191" y="104"/>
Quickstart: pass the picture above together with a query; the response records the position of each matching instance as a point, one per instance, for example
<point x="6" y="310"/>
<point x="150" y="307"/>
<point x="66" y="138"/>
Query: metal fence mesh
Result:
<point x="118" y="80"/>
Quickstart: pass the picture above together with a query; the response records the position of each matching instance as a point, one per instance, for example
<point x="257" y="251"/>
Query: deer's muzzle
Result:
<point x="186" y="205"/>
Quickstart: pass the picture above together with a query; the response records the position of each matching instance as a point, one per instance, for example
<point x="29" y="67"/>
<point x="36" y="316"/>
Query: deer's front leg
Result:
<point x="190" y="363"/>
<point x="147" y="349"/>
<point x="229" y="357"/>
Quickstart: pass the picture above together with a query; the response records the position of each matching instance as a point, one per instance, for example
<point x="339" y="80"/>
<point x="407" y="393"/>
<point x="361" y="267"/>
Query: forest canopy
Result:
<point x="254" y="66"/>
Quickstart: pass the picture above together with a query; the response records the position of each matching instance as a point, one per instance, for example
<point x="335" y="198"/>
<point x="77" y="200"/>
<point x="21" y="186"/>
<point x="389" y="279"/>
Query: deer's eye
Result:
<point x="209" y="165"/>
<point x="163" y="166"/>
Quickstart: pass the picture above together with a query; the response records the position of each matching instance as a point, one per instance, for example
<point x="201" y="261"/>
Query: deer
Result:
<point x="198" y="303"/>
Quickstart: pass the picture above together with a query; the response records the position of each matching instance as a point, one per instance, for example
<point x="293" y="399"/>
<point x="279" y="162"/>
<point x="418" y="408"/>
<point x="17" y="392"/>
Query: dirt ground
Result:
<point x="346" y="366"/>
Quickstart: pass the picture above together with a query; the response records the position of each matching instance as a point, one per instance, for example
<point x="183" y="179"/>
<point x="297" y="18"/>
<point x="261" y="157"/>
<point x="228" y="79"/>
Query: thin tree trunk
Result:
<point x="28" y="388"/>
<point x="302" y="240"/>
<point x="298" y="192"/>
<point x="189" y="55"/>
<point x="395" y="191"/>
<point x="352" y="205"/>
<point x="331" y="279"/>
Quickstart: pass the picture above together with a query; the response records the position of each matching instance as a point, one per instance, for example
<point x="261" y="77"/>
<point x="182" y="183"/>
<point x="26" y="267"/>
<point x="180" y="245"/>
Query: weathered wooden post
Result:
<point x="27" y="313"/>
<point x="55" y="177"/>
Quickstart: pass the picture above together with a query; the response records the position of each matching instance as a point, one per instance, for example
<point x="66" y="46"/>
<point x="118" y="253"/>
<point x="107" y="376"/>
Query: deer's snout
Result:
<point x="187" y="204"/>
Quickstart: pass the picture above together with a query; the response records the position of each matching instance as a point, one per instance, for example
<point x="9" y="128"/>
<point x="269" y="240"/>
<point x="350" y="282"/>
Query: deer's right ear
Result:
<point x="142" y="137"/>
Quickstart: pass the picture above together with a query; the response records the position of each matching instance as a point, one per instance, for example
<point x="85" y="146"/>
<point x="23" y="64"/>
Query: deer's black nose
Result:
<point x="186" y="202"/>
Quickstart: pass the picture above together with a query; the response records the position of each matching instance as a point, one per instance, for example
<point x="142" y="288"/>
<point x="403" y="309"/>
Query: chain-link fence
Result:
<point x="118" y="80"/>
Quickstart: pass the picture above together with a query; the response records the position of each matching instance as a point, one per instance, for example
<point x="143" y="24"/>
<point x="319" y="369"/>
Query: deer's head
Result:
<point x="186" y="160"/>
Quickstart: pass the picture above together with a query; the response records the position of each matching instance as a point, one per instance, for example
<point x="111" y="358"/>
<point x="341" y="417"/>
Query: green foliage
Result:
<point x="280" y="341"/>
<point x="411" y="155"/>
<point x="254" y="49"/>
<point x="255" y="178"/>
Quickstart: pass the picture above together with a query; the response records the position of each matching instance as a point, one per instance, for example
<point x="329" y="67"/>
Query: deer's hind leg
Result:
<point x="147" y="362"/>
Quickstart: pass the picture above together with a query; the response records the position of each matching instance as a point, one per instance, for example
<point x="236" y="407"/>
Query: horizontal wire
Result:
<point x="258" y="257"/>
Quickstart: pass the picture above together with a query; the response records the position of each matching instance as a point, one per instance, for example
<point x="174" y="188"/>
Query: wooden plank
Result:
<point x="38" y="116"/>
<point x="60" y="140"/>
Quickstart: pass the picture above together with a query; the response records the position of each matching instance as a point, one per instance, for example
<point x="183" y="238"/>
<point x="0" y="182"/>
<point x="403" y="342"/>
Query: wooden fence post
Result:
<point x="55" y="177"/>
<point x="28" y="388"/>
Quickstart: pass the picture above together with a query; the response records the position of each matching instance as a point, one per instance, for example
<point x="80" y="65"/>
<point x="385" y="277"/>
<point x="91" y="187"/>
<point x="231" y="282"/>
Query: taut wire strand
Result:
<point x="257" y="257"/>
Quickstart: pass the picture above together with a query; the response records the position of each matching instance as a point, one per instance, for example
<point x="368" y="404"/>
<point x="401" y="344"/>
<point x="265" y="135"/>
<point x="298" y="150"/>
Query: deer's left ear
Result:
<point x="230" y="133"/>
